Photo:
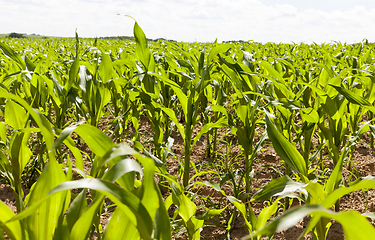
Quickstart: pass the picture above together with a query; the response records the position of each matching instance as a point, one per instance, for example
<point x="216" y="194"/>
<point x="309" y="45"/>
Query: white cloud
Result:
<point x="190" y="20"/>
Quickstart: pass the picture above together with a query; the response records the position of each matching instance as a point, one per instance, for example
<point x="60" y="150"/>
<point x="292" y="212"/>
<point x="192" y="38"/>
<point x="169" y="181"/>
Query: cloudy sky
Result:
<point x="196" y="20"/>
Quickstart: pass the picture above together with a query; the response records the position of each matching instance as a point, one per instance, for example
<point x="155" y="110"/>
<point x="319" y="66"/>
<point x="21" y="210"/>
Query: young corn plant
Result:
<point x="313" y="193"/>
<point x="217" y="97"/>
<point x="248" y="101"/>
<point x="318" y="199"/>
<point x="152" y="94"/>
<point x="46" y="214"/>
<point x="140" y="209"/>
<point x="187" y="100"/>
<point x="17" y="154"/>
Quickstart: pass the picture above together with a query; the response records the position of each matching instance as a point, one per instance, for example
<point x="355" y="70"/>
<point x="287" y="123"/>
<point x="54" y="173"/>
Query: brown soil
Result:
<point x="363" y="165"/>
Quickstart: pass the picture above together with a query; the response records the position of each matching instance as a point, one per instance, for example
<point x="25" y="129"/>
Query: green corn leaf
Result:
<point x="120" y="168"/>
<point x="40" y="120"/>
<point x="172" y="115"/>
<point x="272" y="71"/>
<point x="84" y="79"/>
<point x="76" y="209"/>
<point x="141" y="48"/>
<point x="242" y="208"/>
<point x="194" y="228"/>
<point x="121" y="227"/>
<point x="187" y="208"/>
<point x="235" y="80"/>
<point x="354" y="98"/>
<point x="167" y="81"/>
<point x="214" y="185"/>
<point x="20" y="156"/>
<point x="121" y="149"/>
<point x="83" y="225"/>
<point x="126" y="62"/>
<point x="309" y="115"/>
<point x="73" y="75"/>
<point x="221" y="48"/>
<point x="5" y="167"/>
<point x="29" y="64"/>
<point x="98" y="142"/>
<point x="12" y="229"/>
<point x="57" y="87"/>
<point x="266" y="214"/>
<point x="3" y="133"/>
<point x="286" y="150"/>
<point x="105" y="68"/>
<point x="150" y="194"/>
<point x="159" y="163"/>
<point x="320" y="93"/>
<point x="355" y="226"/>
<point x="25" y="154"/>
<point x="336" y="176"/>
<point x="218" y="108"/>
<point x="222" y="122"/>
<point x="15" y="115"/>
<point x="162" y="223"/>
<point x="281" y="186"/>
<point x="177" y="90"/>
<point x="316" y="192"/>
<point x="123" y="198"/>
<point x="366" y="183"/>
<point x="201" y="63"/>
<point x="9" y="52"/>
<point x="42" y="223"/>
<point x="76" y="153"/>
<point x="210" y="213"/>
<point x="16" y="161"/>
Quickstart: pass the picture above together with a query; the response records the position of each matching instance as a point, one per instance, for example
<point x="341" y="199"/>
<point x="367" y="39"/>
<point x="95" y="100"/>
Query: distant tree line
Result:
<point x="235" y="41"/>
<point x="132" y="38"/>
<point x="21" y="35"/>
<point x="118" y="37"/>
<point x="162" y="39"/>
<point x="16" y="35"/>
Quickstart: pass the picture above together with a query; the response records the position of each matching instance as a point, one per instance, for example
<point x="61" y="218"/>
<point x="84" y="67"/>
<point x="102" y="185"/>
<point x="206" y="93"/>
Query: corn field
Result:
<point x="75" y="151"/>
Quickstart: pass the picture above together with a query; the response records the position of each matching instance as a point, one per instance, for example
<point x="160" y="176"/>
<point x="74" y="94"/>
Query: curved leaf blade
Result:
<point x="355" y="226"/>
<point x="120" y="196"/>
<point x="286" y="150"/>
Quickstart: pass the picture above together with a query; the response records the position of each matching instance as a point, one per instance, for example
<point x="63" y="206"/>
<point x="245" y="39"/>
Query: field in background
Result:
<point x="34" y="36"/>
<point x="123" y="139"/>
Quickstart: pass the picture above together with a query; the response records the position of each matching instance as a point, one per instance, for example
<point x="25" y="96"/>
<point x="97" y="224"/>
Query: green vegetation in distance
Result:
<point x="23" y="35"/>
<point x="38" y="36"/>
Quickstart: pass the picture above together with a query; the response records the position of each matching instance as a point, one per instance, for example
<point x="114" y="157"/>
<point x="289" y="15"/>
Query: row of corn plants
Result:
<point x="71" y="133"/>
